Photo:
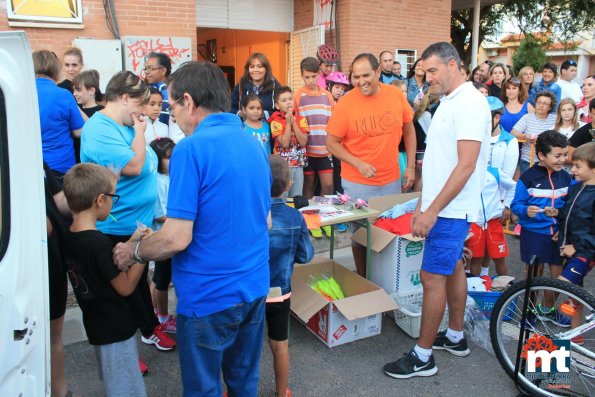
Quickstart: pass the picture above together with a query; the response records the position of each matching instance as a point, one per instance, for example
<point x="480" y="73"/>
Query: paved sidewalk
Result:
<point x="354" y="369"/>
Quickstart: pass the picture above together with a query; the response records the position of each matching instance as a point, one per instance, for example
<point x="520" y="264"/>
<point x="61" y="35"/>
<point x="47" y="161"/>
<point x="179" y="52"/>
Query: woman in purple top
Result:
<point x="514" y="96"/>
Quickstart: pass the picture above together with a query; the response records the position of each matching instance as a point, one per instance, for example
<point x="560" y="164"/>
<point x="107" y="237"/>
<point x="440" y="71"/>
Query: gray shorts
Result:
<point x="297" y="182"/>
<point x="118" y="369"/>
<point x="366" y="192"/>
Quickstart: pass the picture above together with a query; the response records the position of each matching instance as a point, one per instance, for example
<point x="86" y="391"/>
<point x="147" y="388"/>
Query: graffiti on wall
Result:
<point x="136" y="49"/>
<point x="323" y="14"/>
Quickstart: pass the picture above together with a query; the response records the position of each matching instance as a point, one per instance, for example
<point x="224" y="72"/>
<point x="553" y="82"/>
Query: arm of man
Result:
<point x="410" y="149"/>
<point x="173" y="237"/>
<point x="334" y="146"/>
<point x="468" y="152"/>
<point x="62" y="204"/>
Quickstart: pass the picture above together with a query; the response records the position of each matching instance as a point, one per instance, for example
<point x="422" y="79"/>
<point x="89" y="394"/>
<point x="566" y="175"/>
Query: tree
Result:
<point x="529" y="53"/>
<point x="563" y="19"/>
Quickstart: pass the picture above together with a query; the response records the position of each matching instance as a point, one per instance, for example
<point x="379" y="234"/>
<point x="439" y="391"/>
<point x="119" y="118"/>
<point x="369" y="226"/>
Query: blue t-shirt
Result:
<point x="59" y="115"/>
<point x="220" y="179"/>
<point x="262" y="135"/>
<point x="107" y="143"/>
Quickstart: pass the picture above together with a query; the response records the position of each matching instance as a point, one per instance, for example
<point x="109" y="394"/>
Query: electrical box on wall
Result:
<point x="105" y="56"/>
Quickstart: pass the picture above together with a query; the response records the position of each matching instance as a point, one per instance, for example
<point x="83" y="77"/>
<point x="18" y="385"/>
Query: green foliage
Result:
<point x="529" y="53"/>
<point x="563" y="19"/>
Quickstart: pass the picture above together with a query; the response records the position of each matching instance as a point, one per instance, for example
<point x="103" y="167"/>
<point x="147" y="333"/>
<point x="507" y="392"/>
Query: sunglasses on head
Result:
<point x="514" y="80"/>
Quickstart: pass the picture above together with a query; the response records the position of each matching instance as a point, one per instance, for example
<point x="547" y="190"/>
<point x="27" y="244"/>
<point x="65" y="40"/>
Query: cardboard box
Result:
<point x="396" y="260"/>
<point x="357" y="316"/>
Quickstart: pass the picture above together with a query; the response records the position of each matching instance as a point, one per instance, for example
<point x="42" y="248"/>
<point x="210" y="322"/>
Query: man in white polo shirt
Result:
<point x="454" y="166"/>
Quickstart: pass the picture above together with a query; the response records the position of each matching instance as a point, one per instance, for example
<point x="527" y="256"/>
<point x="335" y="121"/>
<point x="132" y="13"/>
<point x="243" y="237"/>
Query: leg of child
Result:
<point x="309" y="180"/>
<point x="297" y="182"/>
<point x="549" y="298"/>
<point x="326" y="182"/>
<point x="501" y="267"/>
<point x="280" y="350"/>
<point x="118" y="369"/>
<point x="59" y="387"/>
<point x="485" y="265"/>
<point x="476" y="266"/>
<point x="277" y="317"/>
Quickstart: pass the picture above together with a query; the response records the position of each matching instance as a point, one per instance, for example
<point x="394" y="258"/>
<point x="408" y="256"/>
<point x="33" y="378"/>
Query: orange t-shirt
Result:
<point x="371" y="129"/>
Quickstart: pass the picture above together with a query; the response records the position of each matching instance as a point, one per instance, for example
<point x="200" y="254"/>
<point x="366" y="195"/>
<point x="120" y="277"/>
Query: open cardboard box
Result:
<point x="357" y="316"/>
<point x="396" y="260"/>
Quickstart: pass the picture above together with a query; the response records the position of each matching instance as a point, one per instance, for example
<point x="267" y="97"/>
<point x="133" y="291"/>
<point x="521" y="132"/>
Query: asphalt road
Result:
<point x="354" y="369"/>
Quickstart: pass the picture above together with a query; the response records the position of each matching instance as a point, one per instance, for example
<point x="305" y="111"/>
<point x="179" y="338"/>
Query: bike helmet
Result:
<point x="327" y="55"/>
<point x="496" y="105"/>
<point x="336" y="77"/>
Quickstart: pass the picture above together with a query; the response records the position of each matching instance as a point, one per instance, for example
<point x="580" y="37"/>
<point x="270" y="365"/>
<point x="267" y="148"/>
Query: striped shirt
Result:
<point x="316" y="107"/>
<point x="531" y="125"/>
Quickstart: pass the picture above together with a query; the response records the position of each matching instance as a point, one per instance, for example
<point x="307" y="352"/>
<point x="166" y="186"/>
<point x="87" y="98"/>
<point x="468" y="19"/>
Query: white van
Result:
<point x="24" y="311"/>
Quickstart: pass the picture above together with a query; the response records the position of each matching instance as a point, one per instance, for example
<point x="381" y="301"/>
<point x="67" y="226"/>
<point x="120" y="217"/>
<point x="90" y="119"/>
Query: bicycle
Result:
<point x="517" y="325"/>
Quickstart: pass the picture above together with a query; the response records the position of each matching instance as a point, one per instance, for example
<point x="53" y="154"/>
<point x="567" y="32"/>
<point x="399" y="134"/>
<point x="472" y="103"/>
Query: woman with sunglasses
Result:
<point x="514" y="96"/>
<point x="115" y="137"/>
<point x="588" y="95"/>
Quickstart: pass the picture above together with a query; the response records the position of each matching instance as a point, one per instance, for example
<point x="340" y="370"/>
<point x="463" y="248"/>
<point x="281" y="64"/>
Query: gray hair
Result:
<point x="443" y="50"/>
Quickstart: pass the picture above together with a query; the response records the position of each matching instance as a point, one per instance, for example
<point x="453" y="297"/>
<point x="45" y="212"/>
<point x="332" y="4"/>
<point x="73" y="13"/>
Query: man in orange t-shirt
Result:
<point x="364" y="132"/>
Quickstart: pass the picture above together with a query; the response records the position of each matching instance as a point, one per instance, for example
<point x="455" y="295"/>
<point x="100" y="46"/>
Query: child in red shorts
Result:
<point x="488" y="239"/>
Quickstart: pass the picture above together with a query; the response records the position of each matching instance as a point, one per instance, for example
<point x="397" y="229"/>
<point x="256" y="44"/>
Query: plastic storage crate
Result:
<point x="486" y="302"/>
<point x="408" y="315"/>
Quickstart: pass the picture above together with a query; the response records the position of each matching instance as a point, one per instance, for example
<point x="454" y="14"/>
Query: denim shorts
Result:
<point x="444" y="245"/>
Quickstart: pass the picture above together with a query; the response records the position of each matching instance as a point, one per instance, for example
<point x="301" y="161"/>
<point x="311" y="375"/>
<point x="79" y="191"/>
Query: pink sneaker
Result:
<point x="169" y="325"/>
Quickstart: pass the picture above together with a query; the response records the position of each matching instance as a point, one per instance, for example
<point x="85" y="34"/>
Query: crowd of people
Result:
<point x="181" y="171"/>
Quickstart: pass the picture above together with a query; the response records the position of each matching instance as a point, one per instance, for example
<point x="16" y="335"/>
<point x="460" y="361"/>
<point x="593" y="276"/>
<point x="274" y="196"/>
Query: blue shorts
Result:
<point x="539" y="244"/>
<point x="444" y="245"/>
<point x="576" y="269"/>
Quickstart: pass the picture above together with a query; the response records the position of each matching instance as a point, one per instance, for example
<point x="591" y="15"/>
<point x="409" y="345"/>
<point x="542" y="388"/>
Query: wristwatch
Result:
<point x="136" y="254"/>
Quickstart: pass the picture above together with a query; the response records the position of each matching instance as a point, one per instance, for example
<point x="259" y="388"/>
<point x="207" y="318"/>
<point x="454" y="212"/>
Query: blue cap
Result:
<point x="496" y="104"/>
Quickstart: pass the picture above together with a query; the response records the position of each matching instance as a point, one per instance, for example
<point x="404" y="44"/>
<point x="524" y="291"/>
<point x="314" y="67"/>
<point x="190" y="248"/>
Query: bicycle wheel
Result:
<point x="505" y="325"/>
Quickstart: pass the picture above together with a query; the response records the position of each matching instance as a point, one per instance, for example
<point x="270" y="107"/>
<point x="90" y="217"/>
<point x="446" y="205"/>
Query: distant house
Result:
<point x="582" y="50"/>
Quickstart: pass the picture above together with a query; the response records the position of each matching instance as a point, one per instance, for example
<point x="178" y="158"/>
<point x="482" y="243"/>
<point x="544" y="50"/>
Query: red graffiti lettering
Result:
<point x="138" y="51"/>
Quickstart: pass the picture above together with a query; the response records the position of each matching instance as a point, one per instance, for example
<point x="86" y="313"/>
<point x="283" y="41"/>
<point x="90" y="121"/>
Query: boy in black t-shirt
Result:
<point x="105" y="295"/>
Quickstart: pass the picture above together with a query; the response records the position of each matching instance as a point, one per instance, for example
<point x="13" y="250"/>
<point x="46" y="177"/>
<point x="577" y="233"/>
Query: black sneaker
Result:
<point x="443" y="343"/>
<point x="409" y="366"/>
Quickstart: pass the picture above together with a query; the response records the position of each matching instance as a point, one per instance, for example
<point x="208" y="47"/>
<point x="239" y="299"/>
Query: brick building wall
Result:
<point x="135" y="18"/>
<point x="366" y="26"/>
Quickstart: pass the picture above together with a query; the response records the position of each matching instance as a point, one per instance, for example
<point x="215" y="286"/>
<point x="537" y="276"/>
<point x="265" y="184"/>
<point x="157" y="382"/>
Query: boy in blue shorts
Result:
<point x="289" y="242"/>
<point x="540" y="191"/>
<point x="104" y="294"/>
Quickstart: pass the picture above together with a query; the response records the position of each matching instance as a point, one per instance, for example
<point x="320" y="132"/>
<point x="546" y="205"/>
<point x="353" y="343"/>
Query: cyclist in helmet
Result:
<point x="328" y="58"/>
<point x="337" y="84"/>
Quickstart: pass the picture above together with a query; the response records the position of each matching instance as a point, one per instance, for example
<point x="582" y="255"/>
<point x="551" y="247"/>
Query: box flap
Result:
<point x="387" y="202"/>
<point x="305" y="302"/>
<point x="365" y="305"/>
<point x="380" y="238"/>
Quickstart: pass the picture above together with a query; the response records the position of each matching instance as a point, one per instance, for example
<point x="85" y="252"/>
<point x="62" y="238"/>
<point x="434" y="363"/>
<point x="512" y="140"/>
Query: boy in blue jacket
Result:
<point x="289" y="243"/>
<point x="540" y="191"/>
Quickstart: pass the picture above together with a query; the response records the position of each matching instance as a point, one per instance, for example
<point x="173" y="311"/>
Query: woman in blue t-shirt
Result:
<point x="115" y="137"/>
<point x="516" y="105"/>
<point x="59" y="116"/>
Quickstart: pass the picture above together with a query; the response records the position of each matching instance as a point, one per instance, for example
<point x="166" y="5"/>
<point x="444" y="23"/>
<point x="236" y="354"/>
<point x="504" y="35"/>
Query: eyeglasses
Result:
<point x="170" y="109"/>
<point x="115" y="197"/>
<point x="151" y="68"/>
<point x="543" y="103"/>
<point x="515" y="80"/>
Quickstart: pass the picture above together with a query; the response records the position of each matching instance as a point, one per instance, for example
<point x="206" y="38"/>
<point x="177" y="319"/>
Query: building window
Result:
<point x="44" y="11"/>
<point x="406" y="58"/>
